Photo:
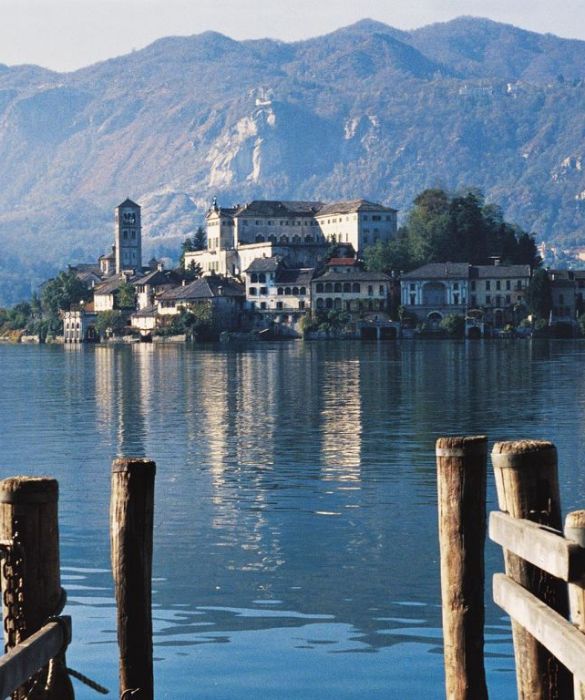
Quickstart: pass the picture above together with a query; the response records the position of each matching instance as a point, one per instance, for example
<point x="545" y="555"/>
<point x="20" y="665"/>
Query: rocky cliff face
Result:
<point x="366" y="111"/>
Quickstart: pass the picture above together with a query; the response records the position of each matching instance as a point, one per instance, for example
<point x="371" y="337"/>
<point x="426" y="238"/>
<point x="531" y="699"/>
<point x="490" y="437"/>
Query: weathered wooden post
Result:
<point x="575" y="531"/>
<point x="31" y="580"/>
<point x="461" y="479"/>
<point x="131" y="527"/>
<point x="528" y="488"/>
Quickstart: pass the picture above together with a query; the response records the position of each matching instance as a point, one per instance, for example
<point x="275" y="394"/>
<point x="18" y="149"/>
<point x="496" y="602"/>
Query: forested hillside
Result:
<point x="367" y="111"/>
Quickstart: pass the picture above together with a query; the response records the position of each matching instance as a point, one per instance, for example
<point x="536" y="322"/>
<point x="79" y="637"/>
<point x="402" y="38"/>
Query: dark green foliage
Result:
<point x="453" y="325"/>
<point x="455" y="228"/>
<point x="63" y="292"/>
<point x="539" y="295"/>
<point x="110" y="323"/>
<point x="191" y="244"/>
<point x="126" y="296"/>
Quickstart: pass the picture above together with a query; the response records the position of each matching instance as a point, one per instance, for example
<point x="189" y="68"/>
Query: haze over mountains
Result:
<point x="365" y="111"/>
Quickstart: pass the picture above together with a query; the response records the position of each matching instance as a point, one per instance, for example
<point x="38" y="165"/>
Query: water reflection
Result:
<point x="296" y="496"/>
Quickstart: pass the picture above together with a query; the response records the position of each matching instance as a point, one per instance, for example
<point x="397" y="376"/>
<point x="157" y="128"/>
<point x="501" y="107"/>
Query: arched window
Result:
<point x="303" y="291"/>
<point x="319" y="287"/>
<point x="272" y="238"/>
<point x="287" y="291"/>
<point x="320" y="303"/>
<point x="254" y="277"/>
<point x="284" y="239"/>
<point x="295" y="291"/>
<point x="260" y="238"/>
<point x="296" y="239"/>
<point x="337" y="303"/>
<point x="280" y="291"/>
<point x="262" y="278"/>
<point x="328" y="287"/>
<point x="346" y="287"/>
<point x="329" y="303"/>
<point x="338" y="286"/>
<point x="308" y="239"/>
<point x="356" y="288"/>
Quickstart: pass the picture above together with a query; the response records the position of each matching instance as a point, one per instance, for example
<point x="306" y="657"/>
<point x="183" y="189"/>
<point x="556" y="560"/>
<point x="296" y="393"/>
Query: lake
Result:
<point x="295" y="545"/>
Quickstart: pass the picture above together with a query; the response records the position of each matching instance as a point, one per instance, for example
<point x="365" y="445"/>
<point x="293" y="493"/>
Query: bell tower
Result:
<point x="128" y="235"/>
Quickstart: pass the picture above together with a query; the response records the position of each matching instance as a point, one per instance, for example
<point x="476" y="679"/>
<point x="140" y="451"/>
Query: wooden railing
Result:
<point x="544" y="584"/>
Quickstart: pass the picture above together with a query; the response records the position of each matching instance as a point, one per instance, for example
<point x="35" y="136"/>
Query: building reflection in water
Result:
<point x="341" y="420"/>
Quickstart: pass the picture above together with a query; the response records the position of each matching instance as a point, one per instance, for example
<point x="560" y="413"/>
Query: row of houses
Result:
<point x="266" y="265"/>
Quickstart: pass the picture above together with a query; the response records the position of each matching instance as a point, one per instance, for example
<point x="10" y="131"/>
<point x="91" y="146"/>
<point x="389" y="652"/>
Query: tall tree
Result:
<point x="539" y="295"/>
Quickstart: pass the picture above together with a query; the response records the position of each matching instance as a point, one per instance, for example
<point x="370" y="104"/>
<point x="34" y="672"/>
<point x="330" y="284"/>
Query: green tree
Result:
<point x="110" y="323"/>
<point x="453" y="325"/>
<point x="63" y="292"/>
<point x="200" y="239"/>
<point x="386" y="256"/>
<point x="126" y="296"/>
<point x="539" y="295"/>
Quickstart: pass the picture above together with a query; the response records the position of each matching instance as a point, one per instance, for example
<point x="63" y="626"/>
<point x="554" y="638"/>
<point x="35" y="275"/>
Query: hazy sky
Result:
<point x="68" y="34"/>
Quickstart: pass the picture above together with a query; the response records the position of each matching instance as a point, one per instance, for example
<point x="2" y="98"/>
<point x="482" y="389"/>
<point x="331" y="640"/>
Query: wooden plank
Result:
<point x="31" y="655"/>
<point x="575" y="532"/>
<point x="559" y="636"/>
<point x="539" y="545"/>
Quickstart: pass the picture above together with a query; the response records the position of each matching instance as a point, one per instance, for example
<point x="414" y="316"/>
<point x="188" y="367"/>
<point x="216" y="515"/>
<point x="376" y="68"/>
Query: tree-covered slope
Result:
<point x="365" y="111"/>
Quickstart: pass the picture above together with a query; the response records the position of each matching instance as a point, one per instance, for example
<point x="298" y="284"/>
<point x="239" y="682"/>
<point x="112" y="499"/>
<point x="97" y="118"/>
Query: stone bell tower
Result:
<point x="128" y="237"/>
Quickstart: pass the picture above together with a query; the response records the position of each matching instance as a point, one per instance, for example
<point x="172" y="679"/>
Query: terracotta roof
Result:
<point x="342" y="261"/>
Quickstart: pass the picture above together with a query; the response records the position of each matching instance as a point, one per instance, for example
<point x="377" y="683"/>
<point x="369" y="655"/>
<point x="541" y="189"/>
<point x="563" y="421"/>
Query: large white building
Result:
<point x="299" y="232"/>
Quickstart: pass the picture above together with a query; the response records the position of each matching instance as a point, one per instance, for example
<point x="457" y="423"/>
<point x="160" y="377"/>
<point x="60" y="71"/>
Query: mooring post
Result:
<point x="461" y="480"/>
<point x="31" y="580"/>
<point x="528" y="488"/>
<point x="575" y="531"/>
<point x="131" y="527"/>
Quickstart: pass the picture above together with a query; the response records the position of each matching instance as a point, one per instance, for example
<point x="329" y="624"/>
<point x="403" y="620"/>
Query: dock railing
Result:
<point x="543" y="587"/>
<point x="35" y="634"/>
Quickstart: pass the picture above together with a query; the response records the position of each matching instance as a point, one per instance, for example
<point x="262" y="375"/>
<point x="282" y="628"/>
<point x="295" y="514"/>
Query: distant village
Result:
<point x="291" y="269"/>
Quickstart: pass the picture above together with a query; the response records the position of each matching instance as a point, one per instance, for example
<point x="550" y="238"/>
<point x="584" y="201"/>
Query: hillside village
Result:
<point x="288" y="269"/>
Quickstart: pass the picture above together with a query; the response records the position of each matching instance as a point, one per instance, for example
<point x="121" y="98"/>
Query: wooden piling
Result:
<point x="461" y="479"/>
<point x="575" y="532"/>
<point x="527" y="486"/>
<point x="131" y="528"/>
<point x="31" y="581"/>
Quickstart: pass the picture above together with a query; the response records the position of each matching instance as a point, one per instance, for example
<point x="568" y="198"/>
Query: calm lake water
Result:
<point x="295" y="551"/>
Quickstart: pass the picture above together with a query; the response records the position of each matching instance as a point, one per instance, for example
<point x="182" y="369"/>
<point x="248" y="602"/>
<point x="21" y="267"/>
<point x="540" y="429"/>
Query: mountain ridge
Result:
<point x="366" y="110"/>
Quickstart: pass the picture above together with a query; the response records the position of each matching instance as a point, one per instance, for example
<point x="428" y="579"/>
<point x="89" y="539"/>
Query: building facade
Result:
<point x="436" y="290"/>
<point x="298" y="231"/>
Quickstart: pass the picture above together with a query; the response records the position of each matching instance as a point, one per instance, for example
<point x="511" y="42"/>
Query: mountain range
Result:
<point x="366" y="111"/>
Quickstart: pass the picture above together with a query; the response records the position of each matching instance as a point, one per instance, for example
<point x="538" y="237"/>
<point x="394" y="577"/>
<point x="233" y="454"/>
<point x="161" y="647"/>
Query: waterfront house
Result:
<point x="344" y="285"/>
<point x="436" y="290"/>
<point x="225" y="296"/>
<point x="276" y="293"/>
<point x="79" y="324"/>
